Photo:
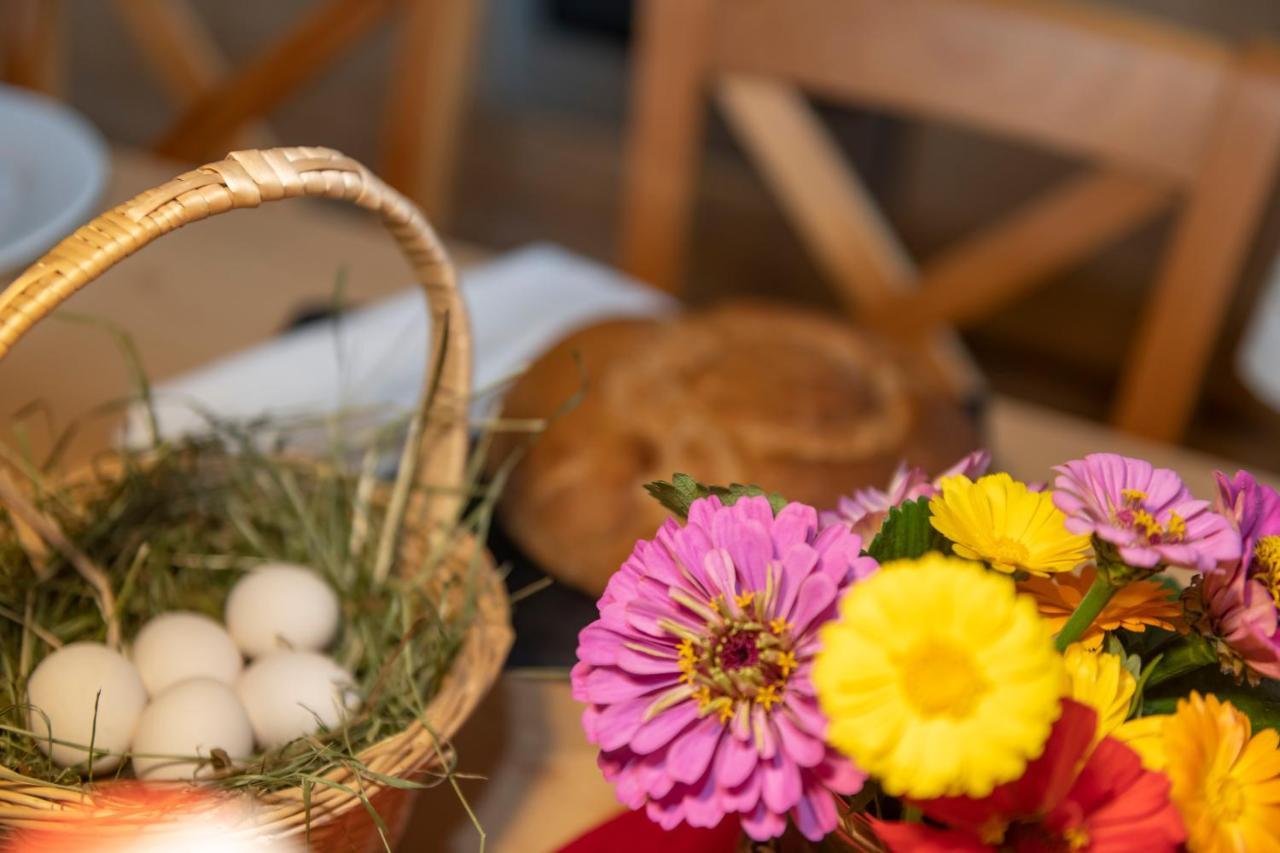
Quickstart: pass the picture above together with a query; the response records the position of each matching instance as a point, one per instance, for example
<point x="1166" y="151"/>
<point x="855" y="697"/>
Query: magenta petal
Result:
<point x="795" y="524"/>
<point x="781" y="783"/>
<point x="598" y="645"/>
<point x="743" y="797"/>
<point x="720" y="573"/>
<point x="615" y="725"/>
<point x="606" y="685"/>
<point x="691" y="753"/>
<point x="749" y="544"/>
<point x="702" y="806"/>
<point x="659" y="731"/>
<point x="665" y="814"/>
<point x="807" y="715"/>
<point x="1142" y="557"/>
<point x="803" y="748"/>
<point x="735" y="761"/>
<point x="762" y="824"/>
<point x="814" y="599"/>
<point x="815" y="813"/>
<point x="798" y="562"/>
<point x="766" y="740"/>
<point x="643" y="615"/>
<point x="643" y="663"/>
<point x="840" y="775"/>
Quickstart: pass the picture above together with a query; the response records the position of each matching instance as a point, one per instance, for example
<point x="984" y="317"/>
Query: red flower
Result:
<point x="1068" y="799"/>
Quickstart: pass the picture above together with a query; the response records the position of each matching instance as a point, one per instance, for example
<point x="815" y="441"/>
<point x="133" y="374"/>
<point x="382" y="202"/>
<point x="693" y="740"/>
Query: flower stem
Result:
<point x="1088" y="609"/>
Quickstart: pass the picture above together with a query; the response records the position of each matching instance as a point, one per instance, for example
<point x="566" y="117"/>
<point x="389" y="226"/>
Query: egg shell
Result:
<point x="62" y="693"/>
<point x="191" y="718"/>
<point x="281" y="606"/>
<point x="178" y="646"/>
<point x="288" y="694"/>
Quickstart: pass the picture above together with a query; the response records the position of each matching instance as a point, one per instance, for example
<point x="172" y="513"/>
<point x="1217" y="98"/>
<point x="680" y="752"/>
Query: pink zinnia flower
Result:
<point x="1239" y="607"/>
<point x="865" y="510"/>
<point x="1146" y="513"/>
<point x="697" y="673"/>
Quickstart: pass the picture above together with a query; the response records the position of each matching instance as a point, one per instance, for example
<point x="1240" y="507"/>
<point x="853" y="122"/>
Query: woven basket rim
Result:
<point x="246" y="179"/>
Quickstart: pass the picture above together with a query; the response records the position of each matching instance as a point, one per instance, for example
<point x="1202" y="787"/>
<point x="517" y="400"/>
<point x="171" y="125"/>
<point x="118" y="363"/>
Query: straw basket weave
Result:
<point x="337" y="820"/>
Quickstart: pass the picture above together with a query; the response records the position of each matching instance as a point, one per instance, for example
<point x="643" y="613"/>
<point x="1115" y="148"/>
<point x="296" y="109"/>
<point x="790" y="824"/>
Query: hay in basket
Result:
<point x="92" y="554"/>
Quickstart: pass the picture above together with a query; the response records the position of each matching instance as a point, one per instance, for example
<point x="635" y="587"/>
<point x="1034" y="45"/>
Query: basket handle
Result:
<point x="247" y="179"/>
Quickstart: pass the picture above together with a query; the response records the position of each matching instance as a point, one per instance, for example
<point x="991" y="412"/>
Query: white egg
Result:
<point x="191" y="718"/>
<point x="290" y="694"/>
<point x="63" y="692"/>
<point x="175" y="647"/>
<point x="280" y="606"/>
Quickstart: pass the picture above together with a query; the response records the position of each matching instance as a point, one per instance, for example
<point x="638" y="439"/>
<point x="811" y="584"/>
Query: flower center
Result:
<point x="1077" y="837"/>
<point x="1007" y="552"/>
<point x="942" y="680"/>
<point x="738" y="650"/>
<point x="1134" y="515"/>
<point x="1266" y="563"/>
<point x="1225" y="798"/>
<point x="741" y="657"/>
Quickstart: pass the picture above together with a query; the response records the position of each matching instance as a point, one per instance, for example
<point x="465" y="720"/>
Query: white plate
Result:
<point x="53" y="165"/>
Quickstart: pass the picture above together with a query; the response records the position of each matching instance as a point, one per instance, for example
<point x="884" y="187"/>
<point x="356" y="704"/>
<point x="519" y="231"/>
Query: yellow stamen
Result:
<point x="1133" y="497"/>
<point x="726" y="712"/>
<point x="1267" y="553"/>
<point x="1176" y="529"/>
<point x="744" y="599"/>
<point x="788" y="663"/>
<point x="779" y="626"/>
<point x="1146" y="522"/>
<point x="1077" y="837"/>
<point x="1266" y="556"/>
<point x="768" y="696"/>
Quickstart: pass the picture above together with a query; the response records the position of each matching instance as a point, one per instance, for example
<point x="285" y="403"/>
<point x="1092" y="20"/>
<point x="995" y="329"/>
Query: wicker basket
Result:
<point x="333" y="819"/>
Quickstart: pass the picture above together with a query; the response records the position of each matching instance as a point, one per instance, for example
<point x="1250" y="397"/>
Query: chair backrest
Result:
<point x="1161" y="118"/>
<point x="218" y="103"/>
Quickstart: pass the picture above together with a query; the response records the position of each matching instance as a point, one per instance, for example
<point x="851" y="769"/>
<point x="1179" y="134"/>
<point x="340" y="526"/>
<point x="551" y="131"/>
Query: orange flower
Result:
<point x="1133" y="608"/>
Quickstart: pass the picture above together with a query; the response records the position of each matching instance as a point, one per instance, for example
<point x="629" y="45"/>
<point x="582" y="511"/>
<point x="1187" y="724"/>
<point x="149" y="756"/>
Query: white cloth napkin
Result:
<point x="521" y="304"/>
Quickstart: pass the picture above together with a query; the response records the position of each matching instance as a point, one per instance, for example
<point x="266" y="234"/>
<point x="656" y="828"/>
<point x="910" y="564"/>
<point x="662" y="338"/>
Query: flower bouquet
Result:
<point x="961" y="663"/>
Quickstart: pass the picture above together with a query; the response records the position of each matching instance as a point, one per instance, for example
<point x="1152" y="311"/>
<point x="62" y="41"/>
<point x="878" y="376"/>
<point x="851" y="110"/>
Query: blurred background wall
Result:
<point x="541" y="153"/>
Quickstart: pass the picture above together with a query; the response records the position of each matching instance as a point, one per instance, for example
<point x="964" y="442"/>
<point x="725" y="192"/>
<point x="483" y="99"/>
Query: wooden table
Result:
<point x="182" y="301"/>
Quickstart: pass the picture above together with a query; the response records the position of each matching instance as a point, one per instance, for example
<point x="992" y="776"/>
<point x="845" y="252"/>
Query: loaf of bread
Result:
<point x="795" y="401"/>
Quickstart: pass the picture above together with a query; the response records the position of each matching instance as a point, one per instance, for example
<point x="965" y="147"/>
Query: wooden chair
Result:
<point x="425" y="99"/>
<point x="1161" y="118"/>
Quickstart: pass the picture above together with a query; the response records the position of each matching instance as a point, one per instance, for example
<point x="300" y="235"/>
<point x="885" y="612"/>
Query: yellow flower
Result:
<point x="997" y="520"/>
<point x="938" y="678"/>
<point x="1225" y="780"/>
<point x="1099" y="680"/>
<point x="1133" y="607"/>
<point x="1145" y="736"/>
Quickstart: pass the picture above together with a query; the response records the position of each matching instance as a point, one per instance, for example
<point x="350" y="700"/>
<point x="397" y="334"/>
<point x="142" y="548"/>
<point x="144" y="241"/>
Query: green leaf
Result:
<point x="1187" y="655"/>
<point x="682" y="490"/>
<point x="1140" y="689"/>
<point x="1260" y="704"/>
<point x="678" y="494"/>
<point x="907" y="533"/>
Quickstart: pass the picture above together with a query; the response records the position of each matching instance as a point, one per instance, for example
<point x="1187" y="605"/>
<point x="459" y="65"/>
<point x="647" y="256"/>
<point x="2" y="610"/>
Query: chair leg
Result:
<point x="661" y="159"/>
<point x="427" y="98"/>
<point x="1161" y="384"/>
<point x="31" y="44"/>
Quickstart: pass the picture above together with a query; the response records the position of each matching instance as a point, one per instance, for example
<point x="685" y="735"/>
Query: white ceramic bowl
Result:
<point x="53" y="164"/>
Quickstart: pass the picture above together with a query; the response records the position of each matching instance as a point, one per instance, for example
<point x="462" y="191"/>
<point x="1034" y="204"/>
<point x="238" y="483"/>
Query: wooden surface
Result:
<point x="542" y="787"/>
<point x="1085" y="80"/>
<point x="1209" y="247"/>
<point x="1160" y="113"/>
